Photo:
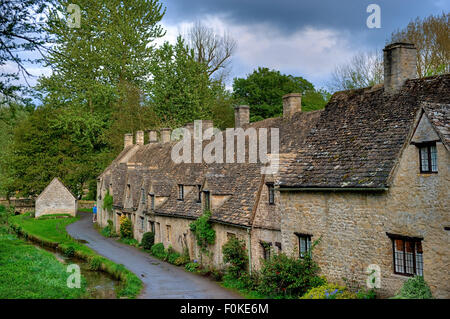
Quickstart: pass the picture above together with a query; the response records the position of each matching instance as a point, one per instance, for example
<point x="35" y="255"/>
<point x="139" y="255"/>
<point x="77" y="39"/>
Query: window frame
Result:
<point x="199" y="188"/>
<point x="271" y="193"/>
<point x="405" y="239"/>
<point x="266" y="249"/>
<point x="308" y="241"/>
<point x="180" y="192"/>
<point x="152" y="201"/>
<point x="207" y="195"/>
<point x="429" y="158"/>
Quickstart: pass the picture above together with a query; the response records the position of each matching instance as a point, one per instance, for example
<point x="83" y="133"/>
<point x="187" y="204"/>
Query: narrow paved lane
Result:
<point x="161" y="280"/>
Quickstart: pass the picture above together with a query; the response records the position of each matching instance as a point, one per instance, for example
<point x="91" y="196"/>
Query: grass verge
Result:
<point x="27" y="272"/>
<point x="51" y="232"/>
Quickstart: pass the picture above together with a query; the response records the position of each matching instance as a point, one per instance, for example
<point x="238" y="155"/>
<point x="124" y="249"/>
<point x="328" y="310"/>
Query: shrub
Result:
<point x="95" y="263"/>
<point x="366" y="294"/>
<point x="286" y="276"/>
<point x="108" y="231"/>
<point x="329" y="291"/>
<point x="172" y="255"/>
<point x="69" y="251"/>
<point x="130" y="241"/>
<point x="148" y="240"/>
<point x="108" y="201"/>
<point x="183" y="259"/>
<point x="415" y="288"/>
<point x="158" y="251"/>
<point x="204" y="233"/>
<point x="126" y="228"/>
<point x="235" y="253"/>
<point x="192" y="267"/>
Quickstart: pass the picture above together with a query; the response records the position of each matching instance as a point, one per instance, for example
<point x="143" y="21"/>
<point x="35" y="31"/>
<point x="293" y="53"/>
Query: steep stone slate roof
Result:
<point x="439" y="116"/>
<point x="359" y="137"/>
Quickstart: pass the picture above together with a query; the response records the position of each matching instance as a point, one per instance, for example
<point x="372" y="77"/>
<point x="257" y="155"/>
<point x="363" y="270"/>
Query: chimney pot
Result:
<point x="128" y="140"/>
<point x="153" y="136"/>
<point x="399" y="65"/>
<point x="165" y="135"/>
<point x="241" y="115"/>
<point x="140" y="138"/>
<point x="292" y="103"/>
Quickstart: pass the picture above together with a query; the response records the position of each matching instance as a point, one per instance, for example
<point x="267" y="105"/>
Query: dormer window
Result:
<point x="271" y="191"/>
<point x="180" y="192"/>
<point x="128" y="190"/>
<point x="428" y="158"/>
<point x="152" y="201"/>
<point x="142" y="196"/>
<point x="199" y="199"/>
<point x="207" y="200"/>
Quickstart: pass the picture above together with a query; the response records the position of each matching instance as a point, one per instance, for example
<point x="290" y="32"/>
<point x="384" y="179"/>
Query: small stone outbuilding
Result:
<point x="56" y="199"/>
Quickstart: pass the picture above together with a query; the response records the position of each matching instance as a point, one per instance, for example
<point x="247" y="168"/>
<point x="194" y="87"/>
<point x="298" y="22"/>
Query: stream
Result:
<point x="100" y="285"/>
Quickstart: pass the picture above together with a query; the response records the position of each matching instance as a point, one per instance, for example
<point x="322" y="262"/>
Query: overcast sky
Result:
<point x="305" y="38"/>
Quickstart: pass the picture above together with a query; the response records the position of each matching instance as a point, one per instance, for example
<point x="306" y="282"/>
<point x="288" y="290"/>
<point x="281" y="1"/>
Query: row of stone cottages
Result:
<point x="368" y="175"/>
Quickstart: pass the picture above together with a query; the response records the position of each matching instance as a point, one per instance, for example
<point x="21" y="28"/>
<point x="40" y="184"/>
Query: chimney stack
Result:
<point x="241" y="115"/>
<point x="292" y="103"/>
<point x="399" y="65"/>
<point x="128" y="140"/>
<point x="153" y="136"/>
<point x="140" y="138"/>
<point x="165" y="135"/>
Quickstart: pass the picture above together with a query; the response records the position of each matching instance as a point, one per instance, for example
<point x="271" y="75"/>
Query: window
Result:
<point x="266" y="250"/>
<point x="142" y="223"/>
<point x="128" y="190"/>
<point x="142" y="196"/>
<point x="304" y="244"/>
<point x="278" y="245"/>
<point x="152" y="226"/>
<point x="428" y="158"/>
<point x="271" y="194"/>
<point x="408" y="255"/>
<point x="199" y="199"/>
<point x="158" y="232"/>
<point x="207" y="201"/>
<point x="152" y="201"/>
<point x="168" y="233"/>
<point x="180" y="192"/>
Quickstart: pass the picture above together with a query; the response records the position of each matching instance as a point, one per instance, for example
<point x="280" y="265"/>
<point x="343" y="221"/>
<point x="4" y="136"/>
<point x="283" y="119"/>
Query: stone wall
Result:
<point x="21" y="205"/>
<point x="56" y="199"/>
<point x="353" y="225"/>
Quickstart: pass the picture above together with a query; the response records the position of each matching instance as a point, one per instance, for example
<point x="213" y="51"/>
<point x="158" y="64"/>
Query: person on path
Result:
<point x="94" y="211"/>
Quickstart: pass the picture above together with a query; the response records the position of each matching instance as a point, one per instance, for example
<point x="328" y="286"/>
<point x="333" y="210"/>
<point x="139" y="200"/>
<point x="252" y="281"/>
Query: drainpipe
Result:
<point x="249" y="237"/>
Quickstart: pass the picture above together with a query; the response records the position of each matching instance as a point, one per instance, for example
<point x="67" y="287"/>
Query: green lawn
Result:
<point x="51" y="231"/>
<point x="32" y="273"/>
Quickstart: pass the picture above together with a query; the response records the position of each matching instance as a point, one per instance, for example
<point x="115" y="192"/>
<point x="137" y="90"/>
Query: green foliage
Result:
<point x="130" y="242"/>
<point x="263" y="91"/>
<point x="148" y="240"/>
<point x="5" y="214"/>
<point x="69" y="251"/>
<point x="183" y="259"/>
<point x="108" y="201"/>
<point x="158" y="251"/>
<point x="329" y="291"/>
<point x="235" y="253"/>
<point x="203" y="230"/>
<point x="108" y="231"/>
<point x="287" y="276"/>
<point x="95" y="263"/>
<point x="126" y="228"/>
<point x="415" y="288"/>
<point x="192" y="267"/>
<point x="366" y="294"/>
<point x="172" y="255"/>
<point x="52" y="233"/>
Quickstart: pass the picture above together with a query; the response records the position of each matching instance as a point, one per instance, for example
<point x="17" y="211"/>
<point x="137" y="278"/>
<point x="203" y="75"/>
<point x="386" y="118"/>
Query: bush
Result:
<point x="366" y="294"/>
<point x="148" y="240"/>
<point x="172" y="255"/>
<point x="158" y="251"/>
<point x="69" y="251"/>
<point x="126" y="228"/>
<point x="415" y="288"/>
<point x="183" y="259"/>
<point x="235" y="253"/>
<point x="286" y="276"/>
<point x="192" y="267"/>
<point x="203" y="230"/>
<point x="329" y="291"/>
<point x="108" y="231"/>
<point x="95" y="263"/>
<point x="130" y="241"/>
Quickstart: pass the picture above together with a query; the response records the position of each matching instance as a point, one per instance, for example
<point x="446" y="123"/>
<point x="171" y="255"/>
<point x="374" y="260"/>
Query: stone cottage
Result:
<point x="56" y="199"/>
<point x="368" y="176"/>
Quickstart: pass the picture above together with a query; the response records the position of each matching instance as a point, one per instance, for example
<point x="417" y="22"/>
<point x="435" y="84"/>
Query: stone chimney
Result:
<point x="241" y="115"/>
<point x="165" y="135"/>
<point x="140" y="138"/>
<point x="399" y="65"/>
<point x="128" y="140"/>
<point x="153" y="136"/>
<point x="292" y="103"/>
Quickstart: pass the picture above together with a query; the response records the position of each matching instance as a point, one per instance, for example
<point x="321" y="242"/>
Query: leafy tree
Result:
<point x="431" y="38"/>
<point x="235" y="253"/>
<point x="363" y="70"/>
<point x="180" y="90"/>
<point x="19" y="31"/>
<point x="263" y="91"/>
